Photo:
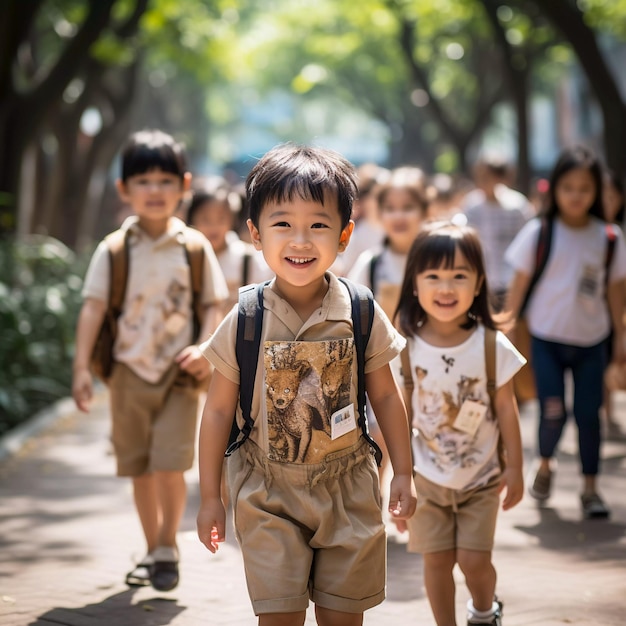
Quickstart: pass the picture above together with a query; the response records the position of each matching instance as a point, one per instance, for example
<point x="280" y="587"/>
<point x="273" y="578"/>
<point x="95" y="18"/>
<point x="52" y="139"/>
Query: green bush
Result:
<point x="40" y="284"/>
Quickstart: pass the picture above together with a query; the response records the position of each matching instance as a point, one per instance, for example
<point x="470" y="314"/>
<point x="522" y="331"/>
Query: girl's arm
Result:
<point x="217" y="419"/>
<point x="508" y="422"/>
<point x="386" y="401"/>
<point x="615" y="297"/>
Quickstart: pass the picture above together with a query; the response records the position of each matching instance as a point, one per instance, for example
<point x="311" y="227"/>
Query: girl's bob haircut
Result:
<point x="435" y="247"/>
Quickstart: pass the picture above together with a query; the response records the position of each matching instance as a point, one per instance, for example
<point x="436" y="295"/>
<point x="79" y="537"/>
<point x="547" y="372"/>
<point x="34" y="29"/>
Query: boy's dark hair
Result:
<point x="148" y="150"/>
<point x="570" y="159"/>
<point x="288" y="170"/>
<point x="435" y="247"/>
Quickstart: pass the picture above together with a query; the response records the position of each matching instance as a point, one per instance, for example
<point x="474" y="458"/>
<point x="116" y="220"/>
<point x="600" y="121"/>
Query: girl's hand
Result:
<point x="402" y="497"/>
<point x="513" y="481"/>
<point x="211" y="524"/>
<point x="190" y="360"/>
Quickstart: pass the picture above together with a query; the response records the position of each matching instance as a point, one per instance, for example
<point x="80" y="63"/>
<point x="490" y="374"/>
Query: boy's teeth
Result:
<point x="299" y="260"/>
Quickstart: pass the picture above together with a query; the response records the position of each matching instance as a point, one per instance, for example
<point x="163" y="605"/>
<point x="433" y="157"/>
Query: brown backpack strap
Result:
<point x="490" y="368"/>
<point x="490" y="365"/>
<point x="194" y="249"/>
<point x="408" y="381"/>
<point x="117" y="243"/>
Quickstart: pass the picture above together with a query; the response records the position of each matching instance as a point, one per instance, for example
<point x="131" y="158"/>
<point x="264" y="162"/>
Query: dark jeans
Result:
<point x="550" y="361"/>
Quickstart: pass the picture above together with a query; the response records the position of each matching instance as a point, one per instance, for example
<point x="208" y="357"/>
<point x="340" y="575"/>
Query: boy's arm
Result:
<point x="217" y="419"/>
<point x="508" y="423"/>
<point x="89" y="322"/>
<point x="386" y="401"/>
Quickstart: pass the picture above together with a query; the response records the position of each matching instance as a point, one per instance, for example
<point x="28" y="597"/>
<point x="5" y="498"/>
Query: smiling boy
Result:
<point x="307" y="516"/>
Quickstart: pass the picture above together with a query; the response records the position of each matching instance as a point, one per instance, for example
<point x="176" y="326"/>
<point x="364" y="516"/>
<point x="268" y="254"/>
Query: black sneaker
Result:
<point x="541" y="486"/>
<point x="164" y="574"/>
<point x="495" y="619"/>
<point x="593" y="506"/>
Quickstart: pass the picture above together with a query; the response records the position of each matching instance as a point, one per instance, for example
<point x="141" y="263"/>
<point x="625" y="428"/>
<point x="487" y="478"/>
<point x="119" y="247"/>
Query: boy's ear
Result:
<point x="344" y="238"/>
<point x="255" y="236"/>
<point x="120" y="185"/>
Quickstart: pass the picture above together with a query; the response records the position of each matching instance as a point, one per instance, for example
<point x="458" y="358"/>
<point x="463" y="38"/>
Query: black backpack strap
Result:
<point x="362" y="304"/>
<point x="245" y="268"/>
<point x="373" y="264"/>
<point x="611" y="237"/>
<point x="544" y="243"/>
<point x="249" y="327"/>
<point x="194" y="253"/>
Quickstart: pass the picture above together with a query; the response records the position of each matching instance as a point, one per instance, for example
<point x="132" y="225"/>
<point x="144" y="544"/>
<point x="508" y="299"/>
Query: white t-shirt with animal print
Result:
<point x="457" y="451"/>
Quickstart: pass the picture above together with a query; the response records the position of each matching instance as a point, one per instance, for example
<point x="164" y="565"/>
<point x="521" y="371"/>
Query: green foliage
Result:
<point x="40" y="283"/>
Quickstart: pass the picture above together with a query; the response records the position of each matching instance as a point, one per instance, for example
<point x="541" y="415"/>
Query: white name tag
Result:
<point x="342" y="422"/>
<point x="470" y="416"/>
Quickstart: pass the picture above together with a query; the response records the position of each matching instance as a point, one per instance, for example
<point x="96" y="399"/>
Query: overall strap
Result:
<point x="249" y="327"/>
<point x="362" y="306"/>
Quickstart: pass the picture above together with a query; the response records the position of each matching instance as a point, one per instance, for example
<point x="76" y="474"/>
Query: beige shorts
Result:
<point x="309" y="532"/>
<point x="446" y="519"/>
<point x="153" y="425"/>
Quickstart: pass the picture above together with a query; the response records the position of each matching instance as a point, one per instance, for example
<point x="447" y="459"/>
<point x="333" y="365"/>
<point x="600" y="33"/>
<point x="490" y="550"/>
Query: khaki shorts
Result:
<point x="311" y="531"/>
<point x="447" y="519"/>
<point x="154" y="425"/>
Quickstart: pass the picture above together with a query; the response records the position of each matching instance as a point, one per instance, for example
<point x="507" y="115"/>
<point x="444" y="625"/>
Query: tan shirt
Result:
<point x="156" y="321"/>
<point x="304" y="350"/>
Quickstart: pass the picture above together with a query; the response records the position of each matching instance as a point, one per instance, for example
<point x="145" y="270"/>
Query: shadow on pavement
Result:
<point x="555" y="533"/>
<point x="117" y="609"/>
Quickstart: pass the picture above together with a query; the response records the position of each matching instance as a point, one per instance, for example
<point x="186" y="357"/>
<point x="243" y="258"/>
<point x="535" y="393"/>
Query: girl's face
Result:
<point x="612" y="200"/>
<point x="213" y="219"/>
<point x="446" y="294"/>
<point x="575" y="193"/>
<point x="401" y="216"/>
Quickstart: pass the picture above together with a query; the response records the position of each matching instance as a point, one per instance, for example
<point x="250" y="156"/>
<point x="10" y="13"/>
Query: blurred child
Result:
<point x="213" y="211"/>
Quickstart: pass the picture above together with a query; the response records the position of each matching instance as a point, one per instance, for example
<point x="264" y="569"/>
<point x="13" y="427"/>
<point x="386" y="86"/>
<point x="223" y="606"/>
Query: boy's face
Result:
<point x="300" y="239"/>
<point x="153" y="196"/>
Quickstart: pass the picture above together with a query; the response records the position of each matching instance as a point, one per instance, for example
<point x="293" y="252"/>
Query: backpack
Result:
<point x="118" y="248"/>
<point x="248" y="342"/>
<point x="490" y="371"/>
<point x="544" y="244"/>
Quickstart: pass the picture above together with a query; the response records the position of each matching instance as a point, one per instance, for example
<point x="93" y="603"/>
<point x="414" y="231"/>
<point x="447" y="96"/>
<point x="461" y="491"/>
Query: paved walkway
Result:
<point x="68" y="534"/>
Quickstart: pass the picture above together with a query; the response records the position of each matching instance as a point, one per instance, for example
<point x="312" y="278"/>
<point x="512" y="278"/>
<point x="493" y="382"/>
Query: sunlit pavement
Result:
<point x="68" y="534"/>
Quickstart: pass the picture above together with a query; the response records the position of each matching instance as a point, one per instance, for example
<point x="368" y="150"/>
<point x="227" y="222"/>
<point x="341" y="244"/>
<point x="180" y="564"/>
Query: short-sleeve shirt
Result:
<point x="444" y="379"/>
<point x="306" y="374"/>
<point x="156" y="322"/>
<point x="568" y="305"/>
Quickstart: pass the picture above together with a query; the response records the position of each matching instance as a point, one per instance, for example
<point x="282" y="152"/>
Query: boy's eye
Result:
<point x="281" y="224"/>
<point x="319" y="225"/>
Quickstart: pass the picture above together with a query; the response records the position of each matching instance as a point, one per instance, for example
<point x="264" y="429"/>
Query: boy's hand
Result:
<point x="513" y="481"/>
<point x="402" y="497"/>
<point x="82" y="389"/>
<point x="190" y="360"/>
<point x="211" y="524"/>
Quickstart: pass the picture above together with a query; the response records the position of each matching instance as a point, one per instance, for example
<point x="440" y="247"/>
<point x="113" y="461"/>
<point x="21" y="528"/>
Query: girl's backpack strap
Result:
<point x="372" y="273"/>
<point x="490" y="368"/>
<point x="542" y="252"/>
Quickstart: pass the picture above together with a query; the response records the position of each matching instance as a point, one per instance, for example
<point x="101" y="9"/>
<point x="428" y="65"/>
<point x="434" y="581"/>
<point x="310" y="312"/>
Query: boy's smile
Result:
<point x="300" y="240"/>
